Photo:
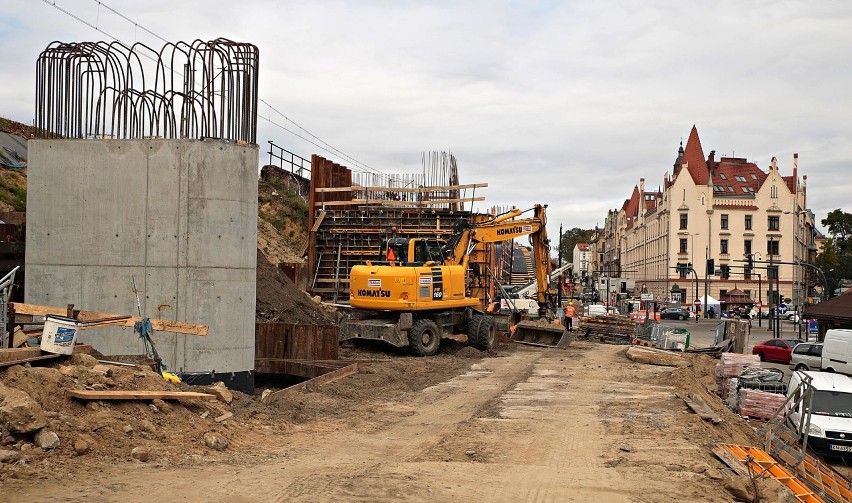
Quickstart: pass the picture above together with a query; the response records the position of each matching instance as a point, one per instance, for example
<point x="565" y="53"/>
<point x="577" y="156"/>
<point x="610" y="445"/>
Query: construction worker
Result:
<point x="569" y="316"/>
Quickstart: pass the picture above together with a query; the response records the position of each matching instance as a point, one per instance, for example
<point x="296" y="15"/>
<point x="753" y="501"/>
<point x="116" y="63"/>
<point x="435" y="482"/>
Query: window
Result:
<point x="722" y="293"/>
<point x="746" y="190"/>
<point x="722" y="176"/>
<point x="753" y="176"/>
<point x="730" y="188"/>
<point x="747" y="246"/>
<point x="683" y="248"/>
<point x="747" y="293"/>
<point x="718" y="188"/>
<point x="772" y="247"/>
<point x="723" y="246"/>
<point x="684" y="220"/>
<point x="748" y="222"/>
<point x="740" y="178"/>
<point x="724" y="221"/>
<point x="773" y="223"/>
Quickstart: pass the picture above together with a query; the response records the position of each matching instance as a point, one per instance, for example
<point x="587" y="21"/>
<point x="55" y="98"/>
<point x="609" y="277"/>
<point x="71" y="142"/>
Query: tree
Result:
<point x="835" y="260"/>
<point x="570" y="238"/>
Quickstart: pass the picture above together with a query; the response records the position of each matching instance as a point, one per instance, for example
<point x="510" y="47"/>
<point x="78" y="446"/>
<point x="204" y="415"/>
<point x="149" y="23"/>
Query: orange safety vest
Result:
<point x="569" y="311"/>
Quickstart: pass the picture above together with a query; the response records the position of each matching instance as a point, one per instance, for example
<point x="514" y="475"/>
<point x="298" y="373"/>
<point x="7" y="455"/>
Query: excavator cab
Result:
<point x="412" y="251"/>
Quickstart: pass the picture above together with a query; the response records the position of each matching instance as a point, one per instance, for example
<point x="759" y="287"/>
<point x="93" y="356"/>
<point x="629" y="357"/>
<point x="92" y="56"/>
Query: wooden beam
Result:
<point x="323" y="379"/>
<point x="31" y="359"/>
<point x="384" y="202"/>
<point x="178" y="327"/>
<point x="432" y="188"/>
<point x="86" y="394"/>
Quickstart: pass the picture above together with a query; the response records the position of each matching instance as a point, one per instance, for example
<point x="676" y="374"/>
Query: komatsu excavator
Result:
<point x="419" y="291"/>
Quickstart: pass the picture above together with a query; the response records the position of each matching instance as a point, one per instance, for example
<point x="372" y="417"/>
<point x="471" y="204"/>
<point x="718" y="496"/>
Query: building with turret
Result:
<point x="713" y="225"/>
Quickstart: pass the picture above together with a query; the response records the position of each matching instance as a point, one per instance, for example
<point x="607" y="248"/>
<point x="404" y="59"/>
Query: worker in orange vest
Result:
<point x="569" y="317"/>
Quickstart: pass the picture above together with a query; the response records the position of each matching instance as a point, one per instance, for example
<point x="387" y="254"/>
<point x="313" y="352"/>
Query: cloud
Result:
<point x="563" y="103"/>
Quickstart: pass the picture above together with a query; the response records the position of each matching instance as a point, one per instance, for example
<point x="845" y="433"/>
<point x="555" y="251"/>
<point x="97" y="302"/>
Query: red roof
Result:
<point x="734" y="176"/>
<point x="693" y="157"/>
<point x="583" y="246"/>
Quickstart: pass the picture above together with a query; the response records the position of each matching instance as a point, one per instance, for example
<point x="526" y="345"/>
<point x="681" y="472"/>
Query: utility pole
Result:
<point x="706" y="278"/>
<point x="771" y="299"/>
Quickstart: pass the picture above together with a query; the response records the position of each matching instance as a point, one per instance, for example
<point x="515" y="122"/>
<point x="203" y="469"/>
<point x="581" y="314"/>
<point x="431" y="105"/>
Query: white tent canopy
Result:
<point x="708" y="300"/>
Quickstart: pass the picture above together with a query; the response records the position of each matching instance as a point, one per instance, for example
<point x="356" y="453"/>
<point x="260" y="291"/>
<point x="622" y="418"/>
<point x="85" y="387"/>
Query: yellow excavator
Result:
<point x="419" y="291"/>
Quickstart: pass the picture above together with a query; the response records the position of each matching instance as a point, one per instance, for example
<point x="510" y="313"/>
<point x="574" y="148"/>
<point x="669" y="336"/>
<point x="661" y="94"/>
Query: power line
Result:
<point x="327" y="148"/>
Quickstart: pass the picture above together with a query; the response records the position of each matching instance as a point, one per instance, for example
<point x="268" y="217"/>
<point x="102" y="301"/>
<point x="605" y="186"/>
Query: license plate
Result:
<point x="844" y="448"/>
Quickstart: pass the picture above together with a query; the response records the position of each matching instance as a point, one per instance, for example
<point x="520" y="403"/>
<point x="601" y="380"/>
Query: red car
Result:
<point x="777" y="350"/>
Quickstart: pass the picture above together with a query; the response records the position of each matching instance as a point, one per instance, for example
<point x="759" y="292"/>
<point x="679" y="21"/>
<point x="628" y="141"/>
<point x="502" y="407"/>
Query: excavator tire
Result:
<point x="424" y="338"/>
<point x="481" y="333"/>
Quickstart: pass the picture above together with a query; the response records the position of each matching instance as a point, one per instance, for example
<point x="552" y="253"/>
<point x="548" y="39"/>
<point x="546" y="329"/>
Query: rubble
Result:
<point x="19" y="413"/>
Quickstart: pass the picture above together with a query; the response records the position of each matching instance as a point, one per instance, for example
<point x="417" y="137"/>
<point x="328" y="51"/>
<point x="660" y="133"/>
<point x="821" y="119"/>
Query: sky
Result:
<point x="567" y="104"/>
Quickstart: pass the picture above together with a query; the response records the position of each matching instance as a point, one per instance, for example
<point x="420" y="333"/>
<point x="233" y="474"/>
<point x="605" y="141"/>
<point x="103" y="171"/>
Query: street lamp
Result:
<point x="691" y="245"/>
<point x="692" y="235"/>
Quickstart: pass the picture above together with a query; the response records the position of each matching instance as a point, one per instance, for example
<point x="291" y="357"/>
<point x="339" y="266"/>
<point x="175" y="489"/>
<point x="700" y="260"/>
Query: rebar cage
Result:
<point x="186" y="90"/>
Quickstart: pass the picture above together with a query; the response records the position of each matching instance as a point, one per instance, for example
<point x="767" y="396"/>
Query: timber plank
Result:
<point x="86" y="394"/>
<point x="31" y="359"/>
<point x="85" y="316"/>
<point x="323" y="379"/>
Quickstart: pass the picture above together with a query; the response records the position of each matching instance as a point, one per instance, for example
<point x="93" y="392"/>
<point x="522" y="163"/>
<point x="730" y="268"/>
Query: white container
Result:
<point x="59" y="334"/>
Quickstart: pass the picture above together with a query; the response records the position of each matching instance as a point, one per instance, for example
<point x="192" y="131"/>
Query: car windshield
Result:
<point x="792" y="342"/>
<point x="832" y="403"/>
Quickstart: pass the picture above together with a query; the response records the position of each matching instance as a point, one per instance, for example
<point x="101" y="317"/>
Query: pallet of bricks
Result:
<point x="728" y="370"/>
<point x="612" y="329"/>
<point x="759" y="404"/>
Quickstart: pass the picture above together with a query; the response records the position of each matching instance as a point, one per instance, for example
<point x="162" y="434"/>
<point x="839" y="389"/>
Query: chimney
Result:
<point x="774" y="166"/>
<point x="710" y="161"/>
<point x="795" y="168"/>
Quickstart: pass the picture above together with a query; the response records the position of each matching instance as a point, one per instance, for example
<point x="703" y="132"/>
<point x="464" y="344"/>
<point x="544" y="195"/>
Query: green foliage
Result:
<point x="836" y="257"/>
<point x="13" y="195"/>
<point x="570" y="238"/>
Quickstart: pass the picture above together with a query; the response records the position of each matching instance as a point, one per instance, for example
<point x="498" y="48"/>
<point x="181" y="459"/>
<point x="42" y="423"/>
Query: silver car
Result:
<point x="806" y="356"/>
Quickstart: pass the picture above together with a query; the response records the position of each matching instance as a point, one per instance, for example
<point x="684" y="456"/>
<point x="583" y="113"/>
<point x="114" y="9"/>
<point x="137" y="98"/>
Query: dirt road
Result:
<point x="583" y="424"/>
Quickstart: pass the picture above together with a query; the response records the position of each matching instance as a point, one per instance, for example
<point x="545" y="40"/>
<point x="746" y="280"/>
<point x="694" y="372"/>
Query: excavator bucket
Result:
<point x="541" y="333"/>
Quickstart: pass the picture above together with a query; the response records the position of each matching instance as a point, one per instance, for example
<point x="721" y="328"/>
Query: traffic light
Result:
<point x="711" y="267"/>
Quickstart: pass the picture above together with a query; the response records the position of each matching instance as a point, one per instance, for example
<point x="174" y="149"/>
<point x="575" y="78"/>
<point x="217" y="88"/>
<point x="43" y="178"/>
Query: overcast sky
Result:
<point x="562" y="103"/>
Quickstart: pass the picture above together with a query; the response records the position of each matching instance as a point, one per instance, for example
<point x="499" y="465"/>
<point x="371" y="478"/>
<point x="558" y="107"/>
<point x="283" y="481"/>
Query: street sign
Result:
<point x="782" y="308"/>
<point x="697" y="303"/>
<point x="646" y="296"/>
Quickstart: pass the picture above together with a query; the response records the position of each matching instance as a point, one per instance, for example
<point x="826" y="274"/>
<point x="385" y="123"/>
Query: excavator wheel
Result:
<point x="424" y="338"/>
<point x="481" y="333"/>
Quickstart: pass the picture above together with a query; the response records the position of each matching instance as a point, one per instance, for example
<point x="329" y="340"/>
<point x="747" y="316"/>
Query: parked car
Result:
<point x="675" y="313"/>
<point x="837" y="351"/>
<point x="806" y="356"/>
<point x="830" y="431"/>
<point x="776" y="350"/>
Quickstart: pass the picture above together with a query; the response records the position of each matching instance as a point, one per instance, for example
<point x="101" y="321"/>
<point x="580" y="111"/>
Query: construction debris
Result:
<point x="653" y="356"/>
<point x="612" y="329"/>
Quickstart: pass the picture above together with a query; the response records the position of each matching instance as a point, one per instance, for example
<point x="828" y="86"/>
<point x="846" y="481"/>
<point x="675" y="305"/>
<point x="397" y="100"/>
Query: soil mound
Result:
<point x="279" y="299"/>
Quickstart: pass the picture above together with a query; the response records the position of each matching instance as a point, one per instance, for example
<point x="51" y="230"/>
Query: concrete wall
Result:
<point x="178" y="215"/>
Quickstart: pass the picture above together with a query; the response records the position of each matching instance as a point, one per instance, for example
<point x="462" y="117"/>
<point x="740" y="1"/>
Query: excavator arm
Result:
<point x="503" y="228"/>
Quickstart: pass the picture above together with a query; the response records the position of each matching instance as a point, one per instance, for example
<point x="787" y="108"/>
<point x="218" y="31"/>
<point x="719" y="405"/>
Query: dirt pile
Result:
<point x="279" y="299"/>
<point x="89" y="434"/>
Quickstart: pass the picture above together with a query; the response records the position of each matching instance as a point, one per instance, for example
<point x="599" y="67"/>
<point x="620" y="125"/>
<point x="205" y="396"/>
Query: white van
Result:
<point x="837" y="351"/>
<point x="830" y="431"/>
